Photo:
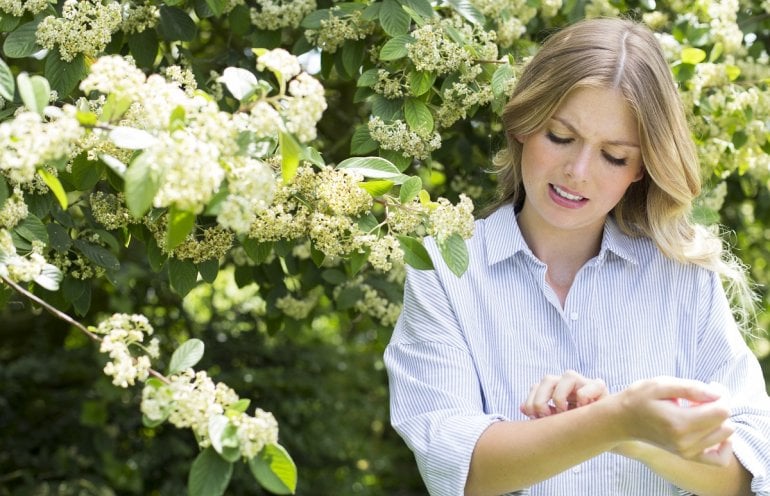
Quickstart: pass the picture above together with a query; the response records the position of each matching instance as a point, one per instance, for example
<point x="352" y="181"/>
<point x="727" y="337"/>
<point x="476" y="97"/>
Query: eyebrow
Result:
<point x="611" y="142"/>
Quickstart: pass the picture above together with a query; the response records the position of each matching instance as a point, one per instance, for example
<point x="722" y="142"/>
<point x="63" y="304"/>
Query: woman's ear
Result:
<point x="640" y="175"/>
<point x="518" y="137"/>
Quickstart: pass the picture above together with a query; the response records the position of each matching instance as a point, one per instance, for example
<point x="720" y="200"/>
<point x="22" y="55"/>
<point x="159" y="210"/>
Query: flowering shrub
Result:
<point x="283" y="160"/>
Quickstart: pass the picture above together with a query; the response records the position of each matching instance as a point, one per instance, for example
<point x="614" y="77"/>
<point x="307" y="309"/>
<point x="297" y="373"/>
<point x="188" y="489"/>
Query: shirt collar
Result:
<point x="503" y="238"/>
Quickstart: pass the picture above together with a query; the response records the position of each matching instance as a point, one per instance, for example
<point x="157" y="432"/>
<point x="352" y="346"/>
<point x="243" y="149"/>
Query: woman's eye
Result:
<point x="614" y="160"/>
<point x="558" y="139"/>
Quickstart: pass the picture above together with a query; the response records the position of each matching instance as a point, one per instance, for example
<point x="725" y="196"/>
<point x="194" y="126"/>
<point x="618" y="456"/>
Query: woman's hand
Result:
<point x="556" y="394"/>
<point x="685" y="417"/>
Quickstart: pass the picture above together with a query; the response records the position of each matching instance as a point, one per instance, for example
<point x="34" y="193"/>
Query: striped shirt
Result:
<point x="466" y="350"/>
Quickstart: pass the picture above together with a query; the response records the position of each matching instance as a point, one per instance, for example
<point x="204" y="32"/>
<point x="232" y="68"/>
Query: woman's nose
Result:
<point x="579" y="164"/>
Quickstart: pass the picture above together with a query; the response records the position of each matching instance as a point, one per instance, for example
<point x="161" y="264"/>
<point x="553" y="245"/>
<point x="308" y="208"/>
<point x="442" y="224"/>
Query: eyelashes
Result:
<point x="564" y="141"/>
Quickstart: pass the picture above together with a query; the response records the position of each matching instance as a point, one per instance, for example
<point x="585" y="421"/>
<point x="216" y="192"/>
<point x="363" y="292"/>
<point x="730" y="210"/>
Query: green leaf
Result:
<point x="239" y="406"/>
<point x="395" y="48"/>
<point x="290" y="154"/>
<point x="97" y="254"/>
<point x="386" y="109"/>
<point x="224" y="438"/>
<point x="692" y="55"/>
<point x="34" y="91"/>
<point x="186" y="356"/>
<point x="361" y="142"/>
<point x="86" y="173"/>
<point x="143" y="179"/>
<point x="368" y="78"/>
<point x="420" y="82"/>
<point x="180" y="224"/>
<point x="59" y="237"/>
<point x="55" y="186"/>
<point x="22" y="42"/>
<point x="275" y="470"/>
<point x="357" y="260"/>
<point x="209" y="474"/>
<point x="415" y="253"/>
<point x="239" y="19"/>
<point x="144" y="47"/>
<point x="455" y="254"/>
<point x="82" y="303"/>
<point x="155" y="255"/>
<point x="733" y="71"/>
<point x="176" y="25"/>
<point x="422" y="7"/>
<point x="353" y="56"/>
<point x="64" y="76"/>
<point x="216" y="6"/>
<point x="32" y="229"/>
<point x="8" y="23"/>
<point x="466" y="9"/>
<point x="393" y="19"/>
<point x="313" y="19"/>
<point x="503" y="74"/>
<point x="182" y="275"/>
<point x="372" y="167"/>
<point x="209" y="269"/>
<point x="410" y="189"/>
<point x="716" y="51"/>
<point x="7" y="84"/>
<point x="418" y="116"/>
<point x="258" y="251"/>
<point x="377" y="188"/>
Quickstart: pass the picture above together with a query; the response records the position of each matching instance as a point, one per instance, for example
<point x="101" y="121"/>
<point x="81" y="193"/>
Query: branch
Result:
<point x="56" y="312"/>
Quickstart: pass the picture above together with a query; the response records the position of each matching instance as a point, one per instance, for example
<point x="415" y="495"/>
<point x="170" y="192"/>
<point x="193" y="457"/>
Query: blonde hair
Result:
<point x="621" y="54"/>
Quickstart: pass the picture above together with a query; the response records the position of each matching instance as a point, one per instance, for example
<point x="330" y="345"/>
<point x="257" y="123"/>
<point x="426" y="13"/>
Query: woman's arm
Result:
<point x="514" y="455"/>
<point x="722" y="475"/>
<point x="697" y="478"/>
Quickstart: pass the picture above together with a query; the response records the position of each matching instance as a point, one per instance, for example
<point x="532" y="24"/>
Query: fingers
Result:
<point x="556" y="394"/>
<point x="691" y="390"/>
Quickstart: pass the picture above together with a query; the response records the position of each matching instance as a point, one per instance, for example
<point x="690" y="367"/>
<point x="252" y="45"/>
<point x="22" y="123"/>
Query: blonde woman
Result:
<point x="590" y="348"/>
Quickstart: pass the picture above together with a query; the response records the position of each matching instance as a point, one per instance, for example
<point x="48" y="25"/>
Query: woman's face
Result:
<point x="579" y="165"/>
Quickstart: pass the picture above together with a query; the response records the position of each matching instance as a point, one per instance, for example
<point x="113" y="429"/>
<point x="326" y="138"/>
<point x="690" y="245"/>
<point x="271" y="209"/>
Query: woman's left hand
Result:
<point x="556" y="394"/>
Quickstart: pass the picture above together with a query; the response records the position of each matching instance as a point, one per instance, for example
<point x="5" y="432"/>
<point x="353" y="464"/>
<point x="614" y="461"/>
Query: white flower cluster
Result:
<point x="121" y="331"/>
<point x="14" y="210"/>
<point x="338" y="29"/>
<point x="17" y="7"/>
<point x="209" y="243"/>
<point x="192" y="160"/>
<point x="251" y="188"/>
<point x="32" y="267"/>
<point x="459" y="98"/>
<point x="277" y="14"/>
<point x="390" y="85"/>
<point x="655" y="20"/>
<point x="723" y="21"/>
<point x="191" y="399"/>
<point x="398" y="137"/>
<point x="601" y="8"/>
<point x="28" y="141"/>
<point x="372" y="303"/>
<point x="296" y="108"/>
<point x="137" y="18"/>
<point x="85" y="27"/>
<point x="297" y="308"/>
<point x="447" y="219"/>
<point x="511" y="16"/>
<point x="434" y="51"/>
<point x="110" y="210"/>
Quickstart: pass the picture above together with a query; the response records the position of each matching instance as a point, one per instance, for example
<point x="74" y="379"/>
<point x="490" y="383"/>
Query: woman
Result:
<point x="590" y="347"/>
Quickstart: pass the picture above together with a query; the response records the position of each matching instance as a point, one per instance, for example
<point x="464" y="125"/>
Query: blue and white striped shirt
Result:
<point x="466" y="350"/>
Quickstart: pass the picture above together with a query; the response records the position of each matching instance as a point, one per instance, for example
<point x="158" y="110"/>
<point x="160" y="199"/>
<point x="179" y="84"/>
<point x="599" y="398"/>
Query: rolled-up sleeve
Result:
<point x="725" y="358"/>
<point x="435" y="396"/>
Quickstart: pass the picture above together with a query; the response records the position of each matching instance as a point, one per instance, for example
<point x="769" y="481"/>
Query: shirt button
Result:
<point x="575" y="470"/>
<point x="573" y="316"/>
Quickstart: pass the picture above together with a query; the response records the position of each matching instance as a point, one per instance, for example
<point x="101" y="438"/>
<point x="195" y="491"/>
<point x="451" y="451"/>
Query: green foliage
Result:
<point x="288" y="321"/>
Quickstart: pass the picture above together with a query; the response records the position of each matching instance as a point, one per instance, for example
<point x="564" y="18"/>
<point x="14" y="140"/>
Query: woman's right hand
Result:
<point x="685" y="417"/>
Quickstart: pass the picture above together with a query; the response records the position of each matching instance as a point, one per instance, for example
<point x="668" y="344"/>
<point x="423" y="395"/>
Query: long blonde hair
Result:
<point x="621" y="54"/>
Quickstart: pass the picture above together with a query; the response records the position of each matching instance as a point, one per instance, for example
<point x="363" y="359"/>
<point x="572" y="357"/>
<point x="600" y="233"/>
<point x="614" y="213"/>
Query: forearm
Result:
<point x="697" y="478"/>
<point x="514" y="455"/>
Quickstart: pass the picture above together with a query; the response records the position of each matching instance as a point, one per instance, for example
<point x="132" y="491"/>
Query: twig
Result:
<point x="56" y="313"/>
